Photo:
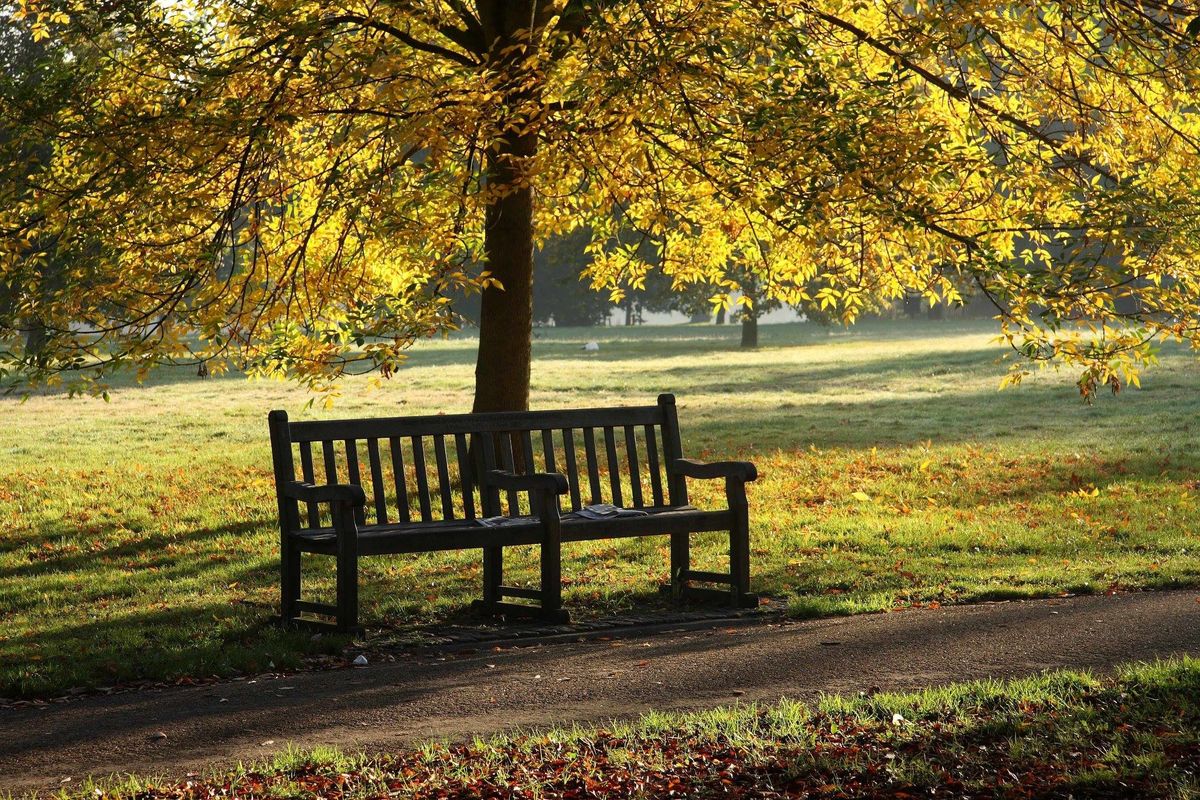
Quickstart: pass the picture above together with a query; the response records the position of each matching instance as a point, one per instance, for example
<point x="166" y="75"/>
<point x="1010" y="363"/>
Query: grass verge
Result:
<point x="138" y="541"/>
<point x="1059" y="735"/>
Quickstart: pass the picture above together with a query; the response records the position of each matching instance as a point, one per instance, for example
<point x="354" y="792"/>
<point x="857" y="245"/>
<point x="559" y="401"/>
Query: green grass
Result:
<point x="138" y="537"/>
<point x="1063" y="734"/>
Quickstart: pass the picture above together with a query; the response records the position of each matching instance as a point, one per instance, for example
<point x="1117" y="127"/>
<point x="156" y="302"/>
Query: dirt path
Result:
<point x="390" y="705"/>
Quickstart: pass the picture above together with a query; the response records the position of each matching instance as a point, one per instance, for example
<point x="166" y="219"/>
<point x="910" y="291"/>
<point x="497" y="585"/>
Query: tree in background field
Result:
<point x="298" y="187"/>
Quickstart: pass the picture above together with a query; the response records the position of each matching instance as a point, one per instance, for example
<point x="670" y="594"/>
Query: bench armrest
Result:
<point x="346" y="493"/>
<point x="738" y="470"/>
<point x="551" y="482"/>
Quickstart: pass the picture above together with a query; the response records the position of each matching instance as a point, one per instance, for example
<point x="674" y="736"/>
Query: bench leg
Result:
<point x="739" y="546"/>
<point x="552" y="579"/>
<point x="493" y="574"/>
<point x="681" y="563"/>
<point x="289" y="582"/>
<point x="347" y="573"/>
<point x="739" y="559"/>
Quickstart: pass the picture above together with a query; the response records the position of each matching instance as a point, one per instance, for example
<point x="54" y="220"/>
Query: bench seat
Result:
<point x="424" y="537"/>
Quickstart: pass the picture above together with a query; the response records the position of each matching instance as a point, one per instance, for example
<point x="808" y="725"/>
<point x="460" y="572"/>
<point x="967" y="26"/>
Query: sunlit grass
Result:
<point x="139" y="535"/>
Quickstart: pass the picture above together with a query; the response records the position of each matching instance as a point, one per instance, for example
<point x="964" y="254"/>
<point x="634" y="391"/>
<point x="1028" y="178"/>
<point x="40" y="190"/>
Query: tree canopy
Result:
<point x="298" y="187"/>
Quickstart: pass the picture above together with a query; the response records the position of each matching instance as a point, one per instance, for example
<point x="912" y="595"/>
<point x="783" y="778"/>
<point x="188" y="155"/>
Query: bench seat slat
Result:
<point x="460" y="535"/>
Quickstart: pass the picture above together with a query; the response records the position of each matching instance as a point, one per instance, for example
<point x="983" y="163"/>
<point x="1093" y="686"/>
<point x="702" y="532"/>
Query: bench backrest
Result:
<point x="411" y="468"/>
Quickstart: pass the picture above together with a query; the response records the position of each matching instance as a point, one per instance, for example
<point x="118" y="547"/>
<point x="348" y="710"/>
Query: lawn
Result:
<point x="1062" y="735"/>
<point x="139" y="543"/>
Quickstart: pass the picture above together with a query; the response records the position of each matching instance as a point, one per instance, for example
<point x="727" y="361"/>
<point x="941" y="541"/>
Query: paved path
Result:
<point x="390" y="705"/>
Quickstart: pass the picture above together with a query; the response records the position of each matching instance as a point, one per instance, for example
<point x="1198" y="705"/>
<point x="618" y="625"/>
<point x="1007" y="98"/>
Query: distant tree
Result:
<point x="38" y="78"/>
<point x="562" y="293"/>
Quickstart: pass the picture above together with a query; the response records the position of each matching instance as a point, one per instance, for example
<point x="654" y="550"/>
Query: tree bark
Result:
<point x="749" y="328"/>
<point x="502" y="367"/>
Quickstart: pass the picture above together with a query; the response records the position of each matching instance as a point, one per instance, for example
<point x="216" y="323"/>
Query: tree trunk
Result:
<point x="721" y="315"/>
<point x="506" y="316"/>
<point x="749" y="327"/>
<point x="750" y="313"/>
<point x="502" y="367"/>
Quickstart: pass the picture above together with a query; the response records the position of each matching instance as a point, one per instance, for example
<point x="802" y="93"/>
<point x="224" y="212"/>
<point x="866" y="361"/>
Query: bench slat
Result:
<point x="330" y="462"/>
<point x="355" y="475"/>
<point x="464" y="474"/>
<point x="652" y="459"/>
<point x="589" y="447"/>
<point x="507" y="463"/>
<point x="306" y="469"/>
<point x="614" y="466"/>
<point x="528" y="467"/>
<point x="487" y="462"/>
<point x="635" y="474"/>
<point x="548" y="450"/>
<point x="397" y="451"/>
<point x="419" y="466"/>
<point x="445" y="490"/>
<point x="568" y="436"/>
<point x="377" y="490"/>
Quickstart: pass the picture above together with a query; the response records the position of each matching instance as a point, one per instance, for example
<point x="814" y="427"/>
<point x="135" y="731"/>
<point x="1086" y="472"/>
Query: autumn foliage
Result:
<point x="297" y="187"/>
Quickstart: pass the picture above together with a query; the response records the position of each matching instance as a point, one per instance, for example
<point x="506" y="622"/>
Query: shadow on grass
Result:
<point x="1027" y="412"/>
<point x="153" y="544"/>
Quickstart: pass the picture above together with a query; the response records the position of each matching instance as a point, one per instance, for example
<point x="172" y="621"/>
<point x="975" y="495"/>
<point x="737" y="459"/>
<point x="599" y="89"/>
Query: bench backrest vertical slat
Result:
<point x="464" y="474"/>
<point x="420" y="467"/>
<point x="360" y="516"/>
<point x="548" y="450"/>
<point x="395" y="446"/>
<point x="656" y="488"/>
<point x="310" y="476"/>
<point x="614" y="465"/>
<point x="330" y="462"/>
<point x="378" y="494"/>
<point x="507" y="464"/>
<point x="572" y="467"/>
<point x="672" y="449"/>
<point x="593" y="469"/>
<point x="445" y="490"/>
<point x="528" y="467"/>
<point x="635" y="473"/>
<point x="489" y="495"/>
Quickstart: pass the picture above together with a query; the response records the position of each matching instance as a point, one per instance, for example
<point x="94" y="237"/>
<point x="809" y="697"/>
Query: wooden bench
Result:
<point x="398" y="485"/>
